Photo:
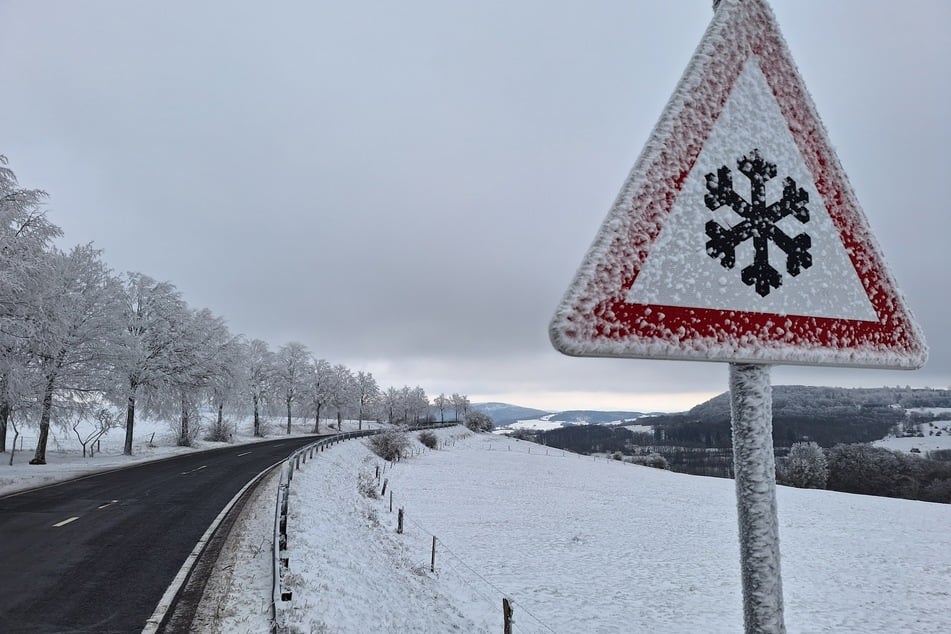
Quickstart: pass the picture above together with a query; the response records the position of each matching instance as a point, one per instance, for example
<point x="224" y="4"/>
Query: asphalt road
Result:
<point x="96" y="554"/>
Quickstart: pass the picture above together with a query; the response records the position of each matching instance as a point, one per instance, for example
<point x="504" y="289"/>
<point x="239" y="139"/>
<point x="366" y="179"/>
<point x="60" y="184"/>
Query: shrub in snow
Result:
<point x="219" y="431"/>
<point x="805" y="467"/>
<point x="654" y="460"/>
<point x="366" y="484"/>
<point x="479" y="421"/>
<point x="429" y="439"/>
<point x="390" y="445"/>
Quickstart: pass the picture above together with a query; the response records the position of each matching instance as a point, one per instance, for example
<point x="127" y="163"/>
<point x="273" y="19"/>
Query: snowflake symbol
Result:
<point x="759" y="223"/>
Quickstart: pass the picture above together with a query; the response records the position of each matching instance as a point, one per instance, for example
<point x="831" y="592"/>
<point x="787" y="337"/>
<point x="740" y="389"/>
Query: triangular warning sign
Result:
<point x="737" y="236"/>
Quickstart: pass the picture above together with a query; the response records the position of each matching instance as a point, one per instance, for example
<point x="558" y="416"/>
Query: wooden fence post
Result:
<point x="385" y="481"/>
<point x="432" y="566"/>
<point x="391" y="500"/>
<point x="399" y="522"/>
<point x="507" y="615"/>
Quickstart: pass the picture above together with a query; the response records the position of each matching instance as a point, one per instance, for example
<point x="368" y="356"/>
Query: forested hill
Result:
<point x="822" y="414"/>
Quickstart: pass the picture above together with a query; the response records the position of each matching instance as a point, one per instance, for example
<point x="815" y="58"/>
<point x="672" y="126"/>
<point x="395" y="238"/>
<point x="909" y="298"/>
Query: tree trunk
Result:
<point x="183" y="440"/>
<point x="317" y="420"/>
<point x="4" y="418"/>
<point x="129" y="421"/>
<point x="257" y="417"/>
<point x="360" y="419"/>
<point x="39" y="457"/>
<point x="339" y="421"/>
<point x="288" y="416"/>
<point x="4" y="411"/>
<point x="130" y="416"/>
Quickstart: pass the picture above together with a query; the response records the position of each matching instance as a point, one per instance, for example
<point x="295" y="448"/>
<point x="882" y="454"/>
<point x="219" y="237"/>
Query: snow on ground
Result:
<point x="923" y="444"/>
<point x="640" y="429"/>
<point x="238" y="595"/>
<point x="583" y="544"/>
<point x="152" y="440"/>
<point x="577" y="543"/>
<point x="542" y="424"/>
<point x="935" y="434"/>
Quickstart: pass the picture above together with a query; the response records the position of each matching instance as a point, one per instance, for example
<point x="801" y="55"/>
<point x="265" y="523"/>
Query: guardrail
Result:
<point x="279" y="595"/>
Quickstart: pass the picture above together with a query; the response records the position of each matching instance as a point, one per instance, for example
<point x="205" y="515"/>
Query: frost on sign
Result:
<point x="759" y="222"/>
<point x="737" y="236"/>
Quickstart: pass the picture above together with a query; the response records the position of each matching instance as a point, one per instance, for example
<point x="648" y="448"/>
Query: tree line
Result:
<point x="81" y="343"/>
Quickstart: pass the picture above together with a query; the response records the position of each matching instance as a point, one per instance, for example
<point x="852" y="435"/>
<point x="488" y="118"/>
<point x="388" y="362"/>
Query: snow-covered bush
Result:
<point x="479" y="421"/>
<point x="429" y="439"/>
<point x="366" y="484"/>
<point x="805" y="467"/>
<point x="654" y="460"/>
<point x="390" y="445"/>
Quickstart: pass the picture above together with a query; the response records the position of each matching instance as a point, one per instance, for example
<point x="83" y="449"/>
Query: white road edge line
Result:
<point x="65" y="522"/>
<point x="154" y="621"/>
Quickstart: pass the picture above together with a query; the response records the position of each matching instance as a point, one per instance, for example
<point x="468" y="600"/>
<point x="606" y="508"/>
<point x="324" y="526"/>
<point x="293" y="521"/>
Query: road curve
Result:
<point x="96" y="554"/>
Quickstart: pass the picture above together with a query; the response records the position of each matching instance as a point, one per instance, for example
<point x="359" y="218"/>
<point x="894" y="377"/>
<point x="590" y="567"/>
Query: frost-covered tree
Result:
<point x="75" y="340"/>
<point x="442" y="403"/>
<point x="460" y="403"/>
<point x="25" y="237"/>
<point x="225" y="388"/>
<point x="367" y="394"/>
<point x="391" y="404"/>
<point x="412" y="404"/>
<point x="148" y="345"/>
<point x="258" y="377"/>
<point x="321" y="382"/>
<point x="291" y="375"/>
<point x="419" y="404"/>
<point x="205" y="348"/>
<point x="862" y="468"/>
<point x="342" y="391"/>
<point x="805" y="466"/>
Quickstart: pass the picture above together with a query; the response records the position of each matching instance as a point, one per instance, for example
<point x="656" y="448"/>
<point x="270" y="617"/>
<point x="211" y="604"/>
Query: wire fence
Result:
<point x="454" y="559"/>
<point x="281" y="597"/>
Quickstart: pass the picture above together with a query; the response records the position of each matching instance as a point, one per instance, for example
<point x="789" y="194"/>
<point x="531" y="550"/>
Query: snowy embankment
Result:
<point x="583" y="544"/>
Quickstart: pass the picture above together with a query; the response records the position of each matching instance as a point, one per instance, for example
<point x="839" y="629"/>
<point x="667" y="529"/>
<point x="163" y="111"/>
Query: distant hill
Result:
<point x="699" y="440"/>
<point x="504" y="414"/>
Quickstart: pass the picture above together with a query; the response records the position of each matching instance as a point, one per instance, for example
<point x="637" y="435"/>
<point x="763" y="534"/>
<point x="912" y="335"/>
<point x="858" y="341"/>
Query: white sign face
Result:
<point x="737" y="236"/>
<point x="680" y="271"/>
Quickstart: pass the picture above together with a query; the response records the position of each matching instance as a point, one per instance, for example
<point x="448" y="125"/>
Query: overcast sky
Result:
<point x="409" y="187"/>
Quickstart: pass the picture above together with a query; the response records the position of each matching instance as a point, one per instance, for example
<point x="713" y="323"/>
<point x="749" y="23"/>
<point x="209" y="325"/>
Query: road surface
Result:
<point x="96" y="554"/>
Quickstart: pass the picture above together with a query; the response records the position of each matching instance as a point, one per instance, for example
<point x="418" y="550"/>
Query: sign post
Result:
<point x="755" y="475"/>
<point x="737" y="238"/>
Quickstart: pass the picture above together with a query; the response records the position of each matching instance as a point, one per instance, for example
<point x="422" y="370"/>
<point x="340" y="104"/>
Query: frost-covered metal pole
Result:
<point x="754" y="466"/>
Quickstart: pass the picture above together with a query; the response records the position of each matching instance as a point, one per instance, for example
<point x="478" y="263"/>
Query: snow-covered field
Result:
<point x="582" y="545"/>
<point x="935" y="434"/>
<point x="576" y="543"/>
